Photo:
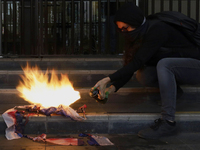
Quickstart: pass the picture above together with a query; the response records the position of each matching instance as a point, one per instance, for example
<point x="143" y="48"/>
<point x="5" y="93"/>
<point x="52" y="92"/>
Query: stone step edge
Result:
<point x="122" y="90"/>
<point x="103" y="123"/>
<point x="13" y="72"/>
<point x="86" y="90"/>
<point x="91" y="117"/>
<point x="116" y="58"/>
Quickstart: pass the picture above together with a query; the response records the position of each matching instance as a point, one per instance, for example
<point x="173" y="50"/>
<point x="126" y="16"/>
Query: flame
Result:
<point x="36" y="87"/>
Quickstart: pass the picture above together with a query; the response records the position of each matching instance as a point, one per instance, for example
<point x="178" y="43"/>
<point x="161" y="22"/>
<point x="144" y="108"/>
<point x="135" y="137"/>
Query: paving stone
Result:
<point x="121" y="142"/>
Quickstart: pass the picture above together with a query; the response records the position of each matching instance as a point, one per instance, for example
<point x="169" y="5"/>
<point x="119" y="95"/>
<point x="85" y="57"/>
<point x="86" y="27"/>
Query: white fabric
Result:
<point x="101" y="140"/>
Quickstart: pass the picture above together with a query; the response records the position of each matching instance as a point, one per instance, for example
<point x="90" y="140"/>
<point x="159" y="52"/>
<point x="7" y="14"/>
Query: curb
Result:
<point x="125" y="123"/>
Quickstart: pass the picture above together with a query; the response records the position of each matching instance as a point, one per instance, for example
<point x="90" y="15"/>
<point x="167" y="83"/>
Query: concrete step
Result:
<point x="101" y="123"/>
<point x="68" y="63"/>
<point x="79" y="78"/>
<point x="126" y="111"/>
<point x="82" y="72"/>
<point x="126" y="100"/>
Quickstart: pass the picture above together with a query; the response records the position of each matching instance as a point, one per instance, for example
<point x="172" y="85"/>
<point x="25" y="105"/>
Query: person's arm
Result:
<point x="152" y="42"/>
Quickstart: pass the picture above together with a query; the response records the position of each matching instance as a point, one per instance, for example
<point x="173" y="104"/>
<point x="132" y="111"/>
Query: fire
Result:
<point x="36" y="87"/>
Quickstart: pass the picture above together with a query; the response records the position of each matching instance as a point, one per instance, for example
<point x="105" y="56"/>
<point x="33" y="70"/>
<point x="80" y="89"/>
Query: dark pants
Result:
<point x="167" y="75"/>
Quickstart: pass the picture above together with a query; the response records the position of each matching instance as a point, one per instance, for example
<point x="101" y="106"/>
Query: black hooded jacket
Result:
<point x="160" y="40"/>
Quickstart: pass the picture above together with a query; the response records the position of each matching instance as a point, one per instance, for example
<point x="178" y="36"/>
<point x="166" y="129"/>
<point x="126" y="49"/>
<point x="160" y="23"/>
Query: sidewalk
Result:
<point x="183" y="141"/>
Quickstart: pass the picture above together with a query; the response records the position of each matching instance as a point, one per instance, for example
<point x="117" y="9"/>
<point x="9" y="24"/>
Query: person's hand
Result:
<point x="101" y="86"/>
<point x="100" y="92"/>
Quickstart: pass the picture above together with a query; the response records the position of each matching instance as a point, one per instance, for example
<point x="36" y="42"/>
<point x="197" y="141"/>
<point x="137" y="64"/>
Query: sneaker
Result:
<point x="160" y="128"/>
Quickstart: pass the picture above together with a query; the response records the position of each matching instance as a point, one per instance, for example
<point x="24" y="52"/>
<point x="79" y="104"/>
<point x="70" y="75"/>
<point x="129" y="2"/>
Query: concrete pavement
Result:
<point x="183" y="141"/>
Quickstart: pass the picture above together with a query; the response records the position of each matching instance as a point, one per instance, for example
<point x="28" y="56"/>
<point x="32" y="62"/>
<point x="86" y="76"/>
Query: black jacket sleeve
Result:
<point x="118" y="84"/>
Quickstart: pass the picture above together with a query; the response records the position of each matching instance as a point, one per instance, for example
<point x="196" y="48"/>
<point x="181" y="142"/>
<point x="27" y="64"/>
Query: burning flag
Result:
<point x="49" y="95"/>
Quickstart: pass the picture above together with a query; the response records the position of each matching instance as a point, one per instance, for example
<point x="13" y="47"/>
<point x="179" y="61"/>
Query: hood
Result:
<point x="131" y="14"/>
